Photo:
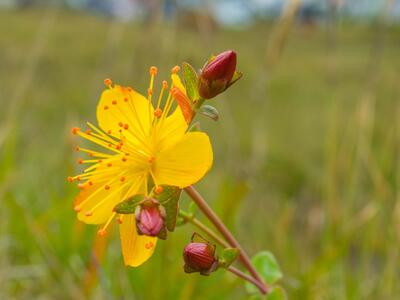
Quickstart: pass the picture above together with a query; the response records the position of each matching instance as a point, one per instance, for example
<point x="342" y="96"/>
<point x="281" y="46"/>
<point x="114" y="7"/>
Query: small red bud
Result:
<point x="199" y="257"/>
<point x="149" y="218"/>
<point x="217" y="74"/>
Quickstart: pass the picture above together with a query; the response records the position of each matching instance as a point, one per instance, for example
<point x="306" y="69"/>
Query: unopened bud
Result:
<point x="217" y="74"/>
<point x="150" y="218"/>
<point x="199" y="257"/>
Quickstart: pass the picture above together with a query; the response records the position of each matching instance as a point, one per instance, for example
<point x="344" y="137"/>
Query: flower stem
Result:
<point x="210" y="214"/>
<point x="248" y="278"/>
<point x="189" y="218"/>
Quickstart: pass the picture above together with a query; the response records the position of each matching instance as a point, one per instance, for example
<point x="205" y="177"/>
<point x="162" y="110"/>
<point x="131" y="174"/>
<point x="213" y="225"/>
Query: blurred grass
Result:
<point x="306" y="156"/>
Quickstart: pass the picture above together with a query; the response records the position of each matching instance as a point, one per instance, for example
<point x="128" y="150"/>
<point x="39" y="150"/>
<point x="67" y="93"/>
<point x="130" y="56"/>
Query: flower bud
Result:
<point x="150" y="218"/>
<point x="199" y="257"/>
<point x="217" y="74"/>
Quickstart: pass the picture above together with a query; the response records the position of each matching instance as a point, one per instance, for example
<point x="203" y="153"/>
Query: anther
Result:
<point x="75" y="130"/>
<point x="122" y="179"/>
<point x="101" y="232"/>
<point x="118" y="147"/>
<point x="126" y="126"/>
<point x="149" y="245"/>
<point x="153" y="70"/>
<point x="90" y="183"/>
<point x="109" y="131"/>
<point x="149" y="91"/>
<point x="91" y="154"/>
<point x="88" y="213"/>
<point x="114" y="102"/>
<point x="164" y="84"/>
<point x="109" y="165"/>
<point x="159" y="189"/>
<point x="70" y="179"/>
<point x="175" y="69"/>
<point x="120" y="124"/>
<point x="105" y="107"/>
<point x="107" y="82"/>
<point x="119" y="220"/>
<point x="77" y="208"/>
<point x="88" y="131"/>
<point x="78" y="178"/>
<point x="77" y="148"/>
<point x="81" y="186"/>
<point x="107" y="187"/>
<point x="80" y="161"/>
<point x="126" y="99"/>
<point x="151" y="159"/>
<point x="124" y="158"/>
<point x="158" y="112"/>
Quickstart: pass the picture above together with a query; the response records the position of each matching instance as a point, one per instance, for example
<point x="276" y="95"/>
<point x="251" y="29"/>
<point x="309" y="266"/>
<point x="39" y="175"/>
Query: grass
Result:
<point x="306" y="157"/>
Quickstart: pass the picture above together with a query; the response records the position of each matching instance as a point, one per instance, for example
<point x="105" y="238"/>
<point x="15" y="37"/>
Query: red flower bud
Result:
<point x="217" y="74"/>
<point x="199" y="257"/>
<point x="149" y="218"/>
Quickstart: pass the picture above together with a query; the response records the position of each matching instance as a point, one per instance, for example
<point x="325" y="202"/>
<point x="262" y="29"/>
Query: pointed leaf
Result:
<point x="210" y="111"/>
<point x="128" y="206"/>
<point x="169" y="198"/>
<point x="190" y="77"/>
<point x="276" y="293"/>
<point x="228" y="256"/>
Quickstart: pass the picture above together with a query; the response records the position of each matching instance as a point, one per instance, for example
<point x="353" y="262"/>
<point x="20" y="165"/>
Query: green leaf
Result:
<point x="128" y="206"/>
<point x="192" y="209"/>
<point x="228" y="256"/>
<point x="169" y="198"/>
<point x="190" y="77"/>
<point x="209" y="111"/>
<point x="276" y="293"/>
<point x="267" y="266"/>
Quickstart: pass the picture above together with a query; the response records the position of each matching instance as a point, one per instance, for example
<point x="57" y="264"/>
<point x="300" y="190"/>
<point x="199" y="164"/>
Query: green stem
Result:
<point x="189" y="218"/>
<point x="210" y="214"/>
<point x="246" y="277"/>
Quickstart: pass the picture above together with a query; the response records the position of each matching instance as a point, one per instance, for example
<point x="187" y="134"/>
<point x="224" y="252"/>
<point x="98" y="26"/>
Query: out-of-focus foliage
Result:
<point x="306" y="157"/>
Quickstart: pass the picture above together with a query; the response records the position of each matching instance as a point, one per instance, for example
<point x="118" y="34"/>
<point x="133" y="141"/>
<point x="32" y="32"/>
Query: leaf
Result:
<point x="197" y="238"/>
<point x="190" y="77"/>
<point x="128" y="206"/>
<point x="169" y="199"/>
<point x="276" y="293"/>
<point x="192" y="208"/>
<point x="267" y="266"/>
<point x="228" y="256"/>
<point x="209" y="111"/>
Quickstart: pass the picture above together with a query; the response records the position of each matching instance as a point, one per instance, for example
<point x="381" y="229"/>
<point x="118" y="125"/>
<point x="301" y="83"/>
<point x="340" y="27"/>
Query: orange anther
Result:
<point x="80" y="161"/>
<point x="119" y="220"/>
<point x="70" y="179"/>
<point x="77" y="208"/>
<point x="105" y="107"/>
<point x="151" y="159"/>
<point x="159" y="189"/>
<point x="75" y="130"/>
<point x="88" y="131"/>
<point x="90" y="183"/>
<point x="109" y="131"/>
<point x="149" y="91"/>
<point x="101" y="232"/>
<point x="110" y="145"/>
<point x="88" y="213"/>
<point x="120" y="124"/>
<point x="114" y="102"/>
<point x="81" y="186"/>
<point x="175" y="69"/>
<point x="78" y="178"/>
<point x="149" y="245"/>
<point x="153" y="70"/>
<point x="126" y="126"/>
<point x="107" y="187"/>
<point x="126" y="99"/>
<point x="100" y="160"/>
<point x="77" y="148"/>
<point x="129" y="89"/>
<point x="91" y="154"/>
<point x="109" y="164"/>
<point x="164" y="85"/>
<point x="122" y="179"/>
<point x="158" y="112"/>
<point x="124" y="158"/>
<point x="118" y="147"/>
<point x="107" y="82"/>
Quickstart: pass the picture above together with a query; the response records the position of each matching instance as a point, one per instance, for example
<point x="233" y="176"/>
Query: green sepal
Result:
<point x="209" y="111"/>
<point x="190" y="78"/>
<point x="195" y="127"/>
<point x="128" y="206"/>
<point x="228" y="256"/>
<point x="236" y="76"/>
<point x="169" y="198"/>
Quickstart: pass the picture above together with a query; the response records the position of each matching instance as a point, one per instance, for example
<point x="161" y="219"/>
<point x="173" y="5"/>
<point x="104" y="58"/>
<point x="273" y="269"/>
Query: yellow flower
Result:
<point x="142" y="143"/>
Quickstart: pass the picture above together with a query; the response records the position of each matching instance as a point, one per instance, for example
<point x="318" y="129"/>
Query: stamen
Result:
<point x="75" y="130"/>
<point x="122" y="179"/>
<point x="158" y="113"/>
<point x="88" y="213"/>
<point x="175" y="69"/>
<point x="70" y="179"/>
<point x="108" y="82"/>
<point x="153" y="70"/>
<point x="159" y="189"/>
<point x="103" y="230"/>
<point x="120" y="219"/>
<point x="107" y="187"/>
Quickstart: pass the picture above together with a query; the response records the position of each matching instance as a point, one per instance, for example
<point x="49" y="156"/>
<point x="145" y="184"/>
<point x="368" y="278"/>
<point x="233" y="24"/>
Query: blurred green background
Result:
<point x="306" y="154"/>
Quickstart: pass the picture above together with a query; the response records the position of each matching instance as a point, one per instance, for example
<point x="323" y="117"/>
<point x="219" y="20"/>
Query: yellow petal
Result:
<point x="136" y="249"/>
<point x="186" y="162"/>
<point x="96" y="203"/>
<point x="177" y="82"/>
<point x="171" y="130"/>
<point x="123" y="109"/>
